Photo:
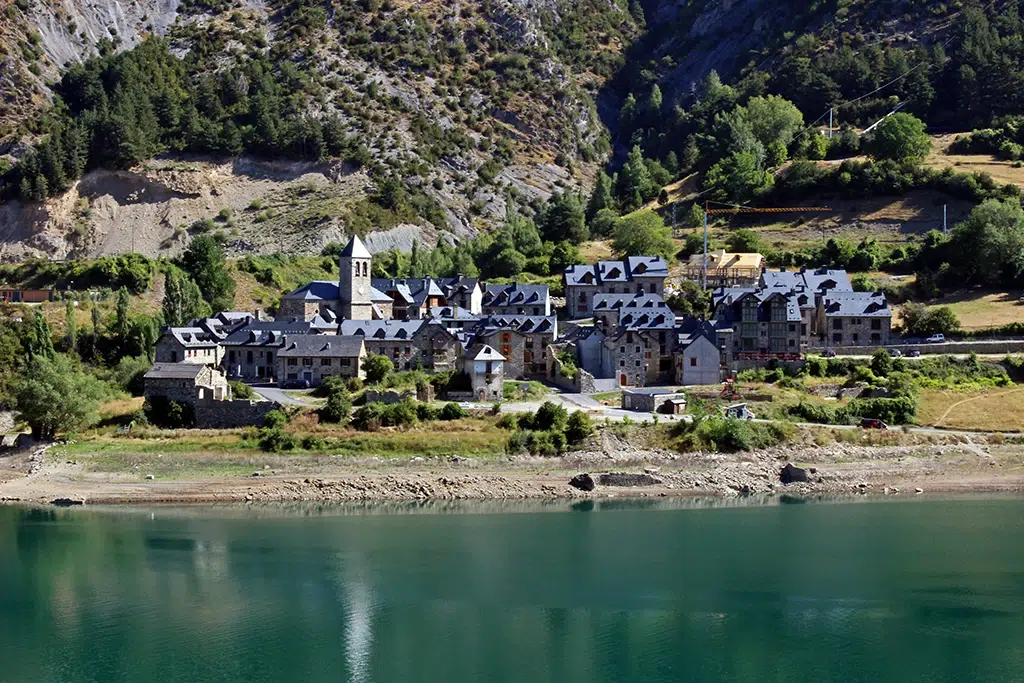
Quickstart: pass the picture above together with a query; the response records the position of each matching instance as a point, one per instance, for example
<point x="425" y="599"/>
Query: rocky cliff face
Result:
<point x="531" y="123"/>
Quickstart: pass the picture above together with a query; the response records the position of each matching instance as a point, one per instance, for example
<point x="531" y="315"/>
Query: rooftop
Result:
<point x="174" y="371"/>
<point x="323" y="346"/>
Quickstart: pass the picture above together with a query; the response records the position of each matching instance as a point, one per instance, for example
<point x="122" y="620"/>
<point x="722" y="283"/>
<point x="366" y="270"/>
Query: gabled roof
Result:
<point x="617" y="271"/>
<point x="192" y="337"/>
<point x="323" y="346"/>
<point x="857" y="305"/>
<point x="355" y="249"/>
<point x="174" y="371"/>
<point x="515" y="294"/>
<point x="317" y="290"/>
<point x="383" y="330"/>
<point x="267" y="332"/>
<point x="452" y="313"/>
<point x="487" y="353"/>
<point x="524" y="324"/>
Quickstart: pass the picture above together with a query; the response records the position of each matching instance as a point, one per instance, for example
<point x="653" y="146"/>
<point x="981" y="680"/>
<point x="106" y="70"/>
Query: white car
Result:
<point x="936" y="339"/>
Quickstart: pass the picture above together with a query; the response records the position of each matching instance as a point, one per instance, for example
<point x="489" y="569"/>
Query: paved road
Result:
<point x="278" y="396"/>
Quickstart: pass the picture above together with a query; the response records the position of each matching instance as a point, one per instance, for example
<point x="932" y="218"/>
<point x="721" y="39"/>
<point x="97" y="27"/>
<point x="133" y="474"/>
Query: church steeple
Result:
<point x="355" y="265"/>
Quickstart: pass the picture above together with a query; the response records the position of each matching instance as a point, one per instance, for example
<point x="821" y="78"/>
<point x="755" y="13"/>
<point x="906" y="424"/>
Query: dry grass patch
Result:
<point x="980" y="310"/>
<point x="987" y="410"/>
<point x="1002" y="171"/>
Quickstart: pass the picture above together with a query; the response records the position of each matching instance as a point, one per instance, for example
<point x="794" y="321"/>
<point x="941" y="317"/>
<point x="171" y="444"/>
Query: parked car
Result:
<point x="296" y="384"/>
<point x="914" y="353"/>
<point x="936" y="339"/>
<point x="829" y="353"/>
<point x="740" y="411"/>
<point x="872" y="423"/>
<point x="895" y="353"/>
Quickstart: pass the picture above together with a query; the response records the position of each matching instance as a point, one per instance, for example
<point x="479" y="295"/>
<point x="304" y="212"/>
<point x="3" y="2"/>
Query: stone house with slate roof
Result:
<point x="486" y="371"/>
<point x="410" y="344"/>
<point x="413" y="298"/>
<point x="610" y="309"/>
<point x="189" y="345"/>
<point x="520" y="339"/>
<point x="516" y="299"/>
<point x="314" y="357"/>
<point x="250" y="353"/>
<point x="853" y="319"/>
<point x="635" y="274"/>
<point x="186" y="383"/>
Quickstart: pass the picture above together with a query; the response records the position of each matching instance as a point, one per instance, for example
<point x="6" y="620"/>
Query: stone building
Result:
<point x="762" y="321"/>
<point x="610" y="309"/>
<point x="516" y="299"/>
<point x="853" y="319"/>
<point x="698" y="360"/>
<point x="633" y="275"/>
<point x="354" y="285"/>
<point x="188" y="345"/>
<point x="314" y="357"/>
<point x="485" y="368"/>
<point x="410" y="344"/>
<point x="250" y="353"/>
<point x="521" y="340"/>
<point x="186" y="383"/>
<point x="414" y="298"/>
<point x="668" y="401"/>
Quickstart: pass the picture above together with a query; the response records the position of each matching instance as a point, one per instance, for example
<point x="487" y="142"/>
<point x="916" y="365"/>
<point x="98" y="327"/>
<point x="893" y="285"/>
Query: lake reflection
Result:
<point x="620" y="590"/>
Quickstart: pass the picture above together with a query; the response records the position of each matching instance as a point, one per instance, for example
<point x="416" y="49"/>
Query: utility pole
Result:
<point x="830" y="124"/>
<point x="945" y="230"/>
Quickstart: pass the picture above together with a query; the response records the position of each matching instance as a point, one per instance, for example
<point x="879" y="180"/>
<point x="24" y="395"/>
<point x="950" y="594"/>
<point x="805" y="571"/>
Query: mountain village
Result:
<point x="614" y="331"/>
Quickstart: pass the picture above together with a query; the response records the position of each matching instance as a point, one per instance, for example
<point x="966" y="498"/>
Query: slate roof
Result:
<point x="515" y="294"/>
<point x="820" y="279"/>
<point x="415" y="290"/>
<point x="323" y="346"/>
<point x="733" y="301"/>
<point x="524" y="324"/>
<point x="453" y="314"/>
<point x="317" y="290"/>
<point x="327" y="290"/>
<point x="488" y="353"/>
<point x="382" y="330"/>
<point x="174" y="371"/>
<point x="355" y="249"/>
<point x="617" y="271"/>
<point x="857" y="305"/>
<point x="193" y="337"/>
<point x="267" y="333"/>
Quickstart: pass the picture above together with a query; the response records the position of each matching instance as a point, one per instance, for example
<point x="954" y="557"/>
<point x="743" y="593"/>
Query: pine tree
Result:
<point x="173" y="305"/>
<point x="70" y="326"/>
<point x="42" y="342"/>
<point x="601" y="197"/>
<point x="192" y="303"/>
<point x="635" y="184"/>
<point x="122" y="316"/>
<point x="97" y="331"/>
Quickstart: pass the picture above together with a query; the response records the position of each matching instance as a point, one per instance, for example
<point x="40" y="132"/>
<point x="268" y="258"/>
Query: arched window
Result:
<point x="366" y="268"/>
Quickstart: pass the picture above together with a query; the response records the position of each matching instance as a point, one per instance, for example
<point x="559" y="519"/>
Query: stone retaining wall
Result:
<point x="228" y="414"/>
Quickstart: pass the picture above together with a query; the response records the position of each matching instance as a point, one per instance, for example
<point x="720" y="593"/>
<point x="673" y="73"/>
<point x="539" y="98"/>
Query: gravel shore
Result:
<point x="839" y="468"/>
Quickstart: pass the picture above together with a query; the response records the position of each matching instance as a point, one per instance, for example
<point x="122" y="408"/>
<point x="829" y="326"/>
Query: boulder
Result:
<point x="583" y="482"/>
<point x="792" y="474"/>
<point x="625" y="479"/>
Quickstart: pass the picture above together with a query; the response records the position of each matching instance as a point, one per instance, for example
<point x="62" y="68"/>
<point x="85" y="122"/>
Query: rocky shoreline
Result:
<point x="837" y="469"/>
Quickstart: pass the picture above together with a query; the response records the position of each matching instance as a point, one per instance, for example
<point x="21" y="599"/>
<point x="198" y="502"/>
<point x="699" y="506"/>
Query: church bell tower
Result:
<point x="354" y="282"/>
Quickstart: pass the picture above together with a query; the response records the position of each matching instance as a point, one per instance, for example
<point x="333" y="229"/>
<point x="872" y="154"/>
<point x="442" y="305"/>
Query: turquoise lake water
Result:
<point x="908" y="590"/>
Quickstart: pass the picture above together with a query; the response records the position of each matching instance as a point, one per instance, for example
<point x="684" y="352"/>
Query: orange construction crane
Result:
<point x="734" y="209"/>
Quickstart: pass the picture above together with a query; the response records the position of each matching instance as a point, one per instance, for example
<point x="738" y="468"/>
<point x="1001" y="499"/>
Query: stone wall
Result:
<point x="390" y="396"/>
<point x="228" y="414"/>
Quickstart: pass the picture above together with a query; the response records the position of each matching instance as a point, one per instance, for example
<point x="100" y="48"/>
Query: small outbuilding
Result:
<point x="657" y="400"/>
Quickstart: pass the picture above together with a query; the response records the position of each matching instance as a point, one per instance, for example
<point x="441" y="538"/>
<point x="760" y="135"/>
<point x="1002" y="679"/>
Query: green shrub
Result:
<point x="275" y="440"/>
<point x="242" y="391"/>
<point x="426" y="412"/>
<point x="275" y="419"/>
<point x="167" y="414"/>
<point x="508" y="421"/>
<point x="550" y="417"/>
<point x="331" y="385"/>
<point x="578" y="428"/>
<point x="337" y="408"/>
<point x="453" y="411"/>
